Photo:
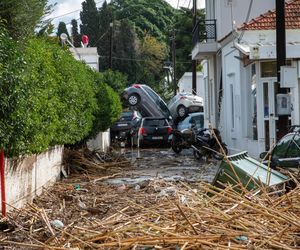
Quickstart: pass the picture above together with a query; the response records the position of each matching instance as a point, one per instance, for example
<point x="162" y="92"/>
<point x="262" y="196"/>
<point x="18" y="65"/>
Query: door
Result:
<point x="269" y="89"/>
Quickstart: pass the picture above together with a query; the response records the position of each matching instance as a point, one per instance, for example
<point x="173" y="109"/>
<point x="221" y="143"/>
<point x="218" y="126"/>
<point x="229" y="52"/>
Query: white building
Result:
<point x="185" y="84"/>
<point x="89" y="55"/>
<point x="240" y="75"/>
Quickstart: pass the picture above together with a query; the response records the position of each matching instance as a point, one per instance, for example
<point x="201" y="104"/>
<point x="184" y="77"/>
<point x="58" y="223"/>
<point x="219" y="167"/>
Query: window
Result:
<point x="232" y="105"/>
<point x="253" y="125"/>
<point x="198" y="121"/>
<point x="294" y="149"/>
<point x="268" y="69"/>
<point x="155" y="123"/>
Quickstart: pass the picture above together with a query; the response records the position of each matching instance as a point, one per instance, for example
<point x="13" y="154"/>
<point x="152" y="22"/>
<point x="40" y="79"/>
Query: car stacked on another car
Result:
<point x="151" y="130"/>
<point x="184" y="103"/>
<point x="144" y="99"/>
<point x="120" y="131"/>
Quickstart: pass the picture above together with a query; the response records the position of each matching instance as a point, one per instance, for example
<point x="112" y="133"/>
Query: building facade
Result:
<point x="245" y="100"/>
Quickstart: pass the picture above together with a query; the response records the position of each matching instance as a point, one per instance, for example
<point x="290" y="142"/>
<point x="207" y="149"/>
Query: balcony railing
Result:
<point x="205" y="31"/>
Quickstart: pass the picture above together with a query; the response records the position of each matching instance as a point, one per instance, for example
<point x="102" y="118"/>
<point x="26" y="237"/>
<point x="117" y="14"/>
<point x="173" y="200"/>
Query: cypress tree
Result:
<point x="126" y="44"/>
<point x="90" y="21"/>
<point x="75" y="34"/>
<point x="62" y="28"/>
<point x="103" y="44"/>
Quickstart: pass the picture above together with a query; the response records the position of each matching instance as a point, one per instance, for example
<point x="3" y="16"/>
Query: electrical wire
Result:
<point x="140" y="60"/>
<point x="99" y="2"/>
<point x="246" y="20"/>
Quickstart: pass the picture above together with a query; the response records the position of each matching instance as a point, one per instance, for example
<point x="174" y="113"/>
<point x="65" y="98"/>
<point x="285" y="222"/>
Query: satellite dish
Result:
<point x="63" y="36"/>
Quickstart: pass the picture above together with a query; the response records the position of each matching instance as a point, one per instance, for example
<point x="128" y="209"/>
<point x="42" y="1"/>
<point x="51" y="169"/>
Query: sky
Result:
<point x="61" y="12"/>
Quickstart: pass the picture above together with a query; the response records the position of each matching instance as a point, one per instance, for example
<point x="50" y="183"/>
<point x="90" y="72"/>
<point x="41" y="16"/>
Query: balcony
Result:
<point x="204" y="39"/>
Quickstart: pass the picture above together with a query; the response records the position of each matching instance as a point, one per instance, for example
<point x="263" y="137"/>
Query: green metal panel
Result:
<point x="248" y="171"/>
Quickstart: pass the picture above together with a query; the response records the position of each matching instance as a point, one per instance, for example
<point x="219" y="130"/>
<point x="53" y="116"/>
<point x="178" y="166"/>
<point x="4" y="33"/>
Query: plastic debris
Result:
<point x="241" y="238"/>
<point x="57" y="224"/>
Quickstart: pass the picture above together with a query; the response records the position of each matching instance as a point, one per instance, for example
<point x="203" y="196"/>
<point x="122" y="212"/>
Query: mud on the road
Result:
<point x="151" y="163"/>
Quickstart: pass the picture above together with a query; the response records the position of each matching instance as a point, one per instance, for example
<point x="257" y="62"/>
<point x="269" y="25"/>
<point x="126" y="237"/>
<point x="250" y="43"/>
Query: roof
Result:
<point x="267" y="21"/>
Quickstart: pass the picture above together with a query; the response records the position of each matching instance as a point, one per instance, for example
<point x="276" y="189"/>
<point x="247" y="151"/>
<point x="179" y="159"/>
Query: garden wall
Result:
<point x="26" y="177"/>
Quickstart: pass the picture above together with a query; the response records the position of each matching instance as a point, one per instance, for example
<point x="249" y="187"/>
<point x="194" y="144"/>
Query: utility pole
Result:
<point x="280" y="36"/>
<point x="283" y="120"/>
<point x="174" y="61"/>
<point x="194" y="62"/>
<point x="111" y="26"/>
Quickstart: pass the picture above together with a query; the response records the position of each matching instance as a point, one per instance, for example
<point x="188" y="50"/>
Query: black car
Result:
<point x="286" y="153"/>
<point x="120" y="131"/>
<point x="144" y="99"/>
<point x="151" y="130"/>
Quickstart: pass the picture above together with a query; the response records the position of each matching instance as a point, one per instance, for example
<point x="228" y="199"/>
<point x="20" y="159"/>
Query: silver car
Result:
<point x="184" y="103"/>
<point x="144" y="99"/>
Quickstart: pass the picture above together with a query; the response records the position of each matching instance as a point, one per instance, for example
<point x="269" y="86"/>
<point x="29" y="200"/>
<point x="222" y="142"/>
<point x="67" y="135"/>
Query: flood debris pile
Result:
<point x="83" y="213"/>
<point x="85" y="160"/>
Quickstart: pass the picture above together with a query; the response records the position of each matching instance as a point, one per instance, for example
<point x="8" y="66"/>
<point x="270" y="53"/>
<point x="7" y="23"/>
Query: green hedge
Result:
<point x="49" y="98"/>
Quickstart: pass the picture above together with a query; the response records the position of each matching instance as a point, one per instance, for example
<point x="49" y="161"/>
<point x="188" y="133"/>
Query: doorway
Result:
<point x="273" y="125"/>
<point x="268" y="90"/>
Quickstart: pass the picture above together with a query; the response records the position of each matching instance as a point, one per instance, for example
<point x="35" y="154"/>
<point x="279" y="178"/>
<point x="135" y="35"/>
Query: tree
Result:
<point x="103" y="41"/>
<point x="75" y="35"/>
<point x="126" y="45"/>
<point x="183" y="28"/>
<point x="62" y="28"/>
<point x="152" y="56"/>
<point x="22" y="17"/>
<point x="152" y="17"/>
<point x="89" y="21"/>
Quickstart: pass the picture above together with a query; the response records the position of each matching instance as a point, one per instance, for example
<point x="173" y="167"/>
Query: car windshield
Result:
<point x="198" y="121"/>
<point x="155" y="123"/>
<point x="126" y="116"/>
<point x="280" y="150"/>
<point x="294" y="148"/>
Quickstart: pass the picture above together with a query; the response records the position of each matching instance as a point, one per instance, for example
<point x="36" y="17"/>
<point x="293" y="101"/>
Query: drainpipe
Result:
<point x="2" y="180"/>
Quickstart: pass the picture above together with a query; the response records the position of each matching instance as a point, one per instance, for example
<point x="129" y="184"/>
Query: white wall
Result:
<point x="227" y="14"/>
<point x="88" y="55"/>
<point x="101" y="142"/>
<point x="26" y="177"/>
<point x="231" y="126"/>
<point x="185" y="83"/>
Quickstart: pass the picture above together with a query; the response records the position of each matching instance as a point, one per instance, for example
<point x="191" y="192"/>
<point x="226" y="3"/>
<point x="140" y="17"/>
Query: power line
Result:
<point x="141" y="60"/>
<point x="74" y="11"/>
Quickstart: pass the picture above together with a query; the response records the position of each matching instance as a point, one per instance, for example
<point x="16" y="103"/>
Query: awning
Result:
<point x="260" y="51"/>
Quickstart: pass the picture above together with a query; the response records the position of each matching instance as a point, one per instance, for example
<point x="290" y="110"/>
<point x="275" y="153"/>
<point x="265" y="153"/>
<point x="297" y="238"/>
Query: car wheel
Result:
<point x="133" y="99"/>
<point x="181" y="111"/>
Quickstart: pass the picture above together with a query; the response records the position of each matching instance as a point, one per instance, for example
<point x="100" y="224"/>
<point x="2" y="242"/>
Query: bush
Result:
<point x="115" y="79"/>
<point x="49" y="98"/>
<point x="109" y="106"/>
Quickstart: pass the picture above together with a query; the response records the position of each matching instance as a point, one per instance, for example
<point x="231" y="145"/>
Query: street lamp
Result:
<point x="64" y="39"/>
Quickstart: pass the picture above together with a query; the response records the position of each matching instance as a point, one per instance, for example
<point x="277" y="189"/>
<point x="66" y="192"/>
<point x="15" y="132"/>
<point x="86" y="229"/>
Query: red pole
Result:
<point x="2" y="180"/>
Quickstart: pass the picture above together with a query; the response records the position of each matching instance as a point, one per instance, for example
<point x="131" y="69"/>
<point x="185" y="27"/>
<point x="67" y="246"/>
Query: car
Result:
<point x="192" y="120"/>
<point x="120" y="131"/>
<point x="144" y="99"/>
<point x="151" y="130"/>
<point x="286" y="152"/>
<point x="184" y="103"/>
